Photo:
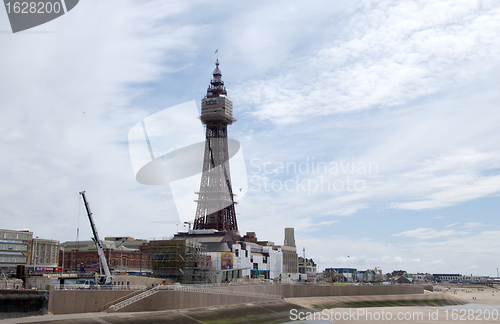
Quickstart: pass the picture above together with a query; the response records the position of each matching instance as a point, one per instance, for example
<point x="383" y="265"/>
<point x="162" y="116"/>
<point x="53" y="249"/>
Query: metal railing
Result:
<point x="156" y="289"/>
<point x="133" y="293"/>
<point x="99" y="287"/>
<point x="219" y="291"/>
<point x="133" y="299"/>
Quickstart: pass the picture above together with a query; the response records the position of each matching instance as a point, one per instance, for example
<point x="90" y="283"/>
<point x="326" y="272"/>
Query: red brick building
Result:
<point x="123" y="254"/>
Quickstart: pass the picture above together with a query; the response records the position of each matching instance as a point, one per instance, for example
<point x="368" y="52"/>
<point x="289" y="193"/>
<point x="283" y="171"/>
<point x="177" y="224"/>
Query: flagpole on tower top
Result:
<point x="217" y="52"/>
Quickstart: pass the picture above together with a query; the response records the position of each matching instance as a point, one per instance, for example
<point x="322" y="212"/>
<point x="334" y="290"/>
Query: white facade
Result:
<point x="229" y="265"/>
<point x="242" y="260"/>
<point x="249" y="260"/>
<point x="266" y="261"/>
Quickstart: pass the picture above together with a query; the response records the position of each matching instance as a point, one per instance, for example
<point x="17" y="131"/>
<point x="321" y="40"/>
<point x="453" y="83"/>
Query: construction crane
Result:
<point x="102" y="258"/>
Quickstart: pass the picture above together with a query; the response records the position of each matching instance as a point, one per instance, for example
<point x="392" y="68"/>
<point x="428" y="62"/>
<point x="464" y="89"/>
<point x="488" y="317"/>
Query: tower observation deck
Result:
<point x="215" y="209"/>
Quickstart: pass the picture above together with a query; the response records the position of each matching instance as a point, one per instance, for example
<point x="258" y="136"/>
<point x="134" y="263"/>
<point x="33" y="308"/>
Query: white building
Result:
<point x="233" y="259"/>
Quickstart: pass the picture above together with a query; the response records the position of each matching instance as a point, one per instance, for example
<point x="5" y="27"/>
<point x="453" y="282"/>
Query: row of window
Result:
<point x="127" y="263"/>
<point x="120" y="283"/>
<point x="264" y="259"/>
<point x="11" y="235"/>
<point x="113" y="262"/>
<point x="43" y="258"/>
<point x="13" y="247"/>
<point x="237" y="253"/>
<point x="41" y="247"/>
<point x="12" y="259"/>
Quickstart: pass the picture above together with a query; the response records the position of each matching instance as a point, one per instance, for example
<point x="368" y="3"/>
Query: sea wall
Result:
<point x="83" y="301"/>
<point x="20" y="303"/>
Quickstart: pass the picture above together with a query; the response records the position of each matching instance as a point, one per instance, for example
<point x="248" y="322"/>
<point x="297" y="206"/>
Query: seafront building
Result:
<point x="15" y="248"/>
<point x="21" y="248"/>
<point x="214" y="256"/>
<point x="45" y="253"/>
<point x="458" y="278"/>
<point x="307" y="266"/>
<point x="123" y="254"/>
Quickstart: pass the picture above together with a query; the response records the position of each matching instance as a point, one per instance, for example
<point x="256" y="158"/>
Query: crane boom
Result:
<point x="97" y="241"/>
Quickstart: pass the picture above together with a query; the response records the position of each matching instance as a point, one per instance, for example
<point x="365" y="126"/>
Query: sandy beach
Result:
<point x="482" y="304"/>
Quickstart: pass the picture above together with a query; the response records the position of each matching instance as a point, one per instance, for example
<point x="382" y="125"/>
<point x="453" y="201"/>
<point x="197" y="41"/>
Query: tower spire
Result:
<point x="215" y="208"/>
<point x="216" y="87"/>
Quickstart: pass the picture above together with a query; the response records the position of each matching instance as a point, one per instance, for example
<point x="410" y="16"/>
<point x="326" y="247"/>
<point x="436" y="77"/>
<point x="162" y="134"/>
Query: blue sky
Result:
<point x="408" y="86"/>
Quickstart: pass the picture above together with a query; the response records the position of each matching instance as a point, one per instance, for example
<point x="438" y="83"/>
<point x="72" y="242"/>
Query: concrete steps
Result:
<point x="133" y="299"/>
<point x="104" y="308"/>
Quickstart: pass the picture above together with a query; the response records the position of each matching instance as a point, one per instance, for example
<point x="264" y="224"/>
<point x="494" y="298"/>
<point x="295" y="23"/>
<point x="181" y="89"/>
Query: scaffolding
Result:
<point x="185" y="261"/>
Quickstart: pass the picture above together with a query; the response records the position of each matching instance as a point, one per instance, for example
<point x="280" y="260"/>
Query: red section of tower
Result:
<point x="215" y="199"/>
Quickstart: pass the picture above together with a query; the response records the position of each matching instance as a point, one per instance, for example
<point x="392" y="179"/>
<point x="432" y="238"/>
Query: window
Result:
<point x="237" y="253"/>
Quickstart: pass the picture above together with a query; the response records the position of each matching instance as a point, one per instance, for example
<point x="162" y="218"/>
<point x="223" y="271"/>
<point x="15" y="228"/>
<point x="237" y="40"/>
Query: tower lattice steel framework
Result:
<point x="215" y="208"/>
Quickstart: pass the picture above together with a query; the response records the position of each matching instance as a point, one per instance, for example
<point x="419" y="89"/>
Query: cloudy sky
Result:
<point x="371" y="127"/>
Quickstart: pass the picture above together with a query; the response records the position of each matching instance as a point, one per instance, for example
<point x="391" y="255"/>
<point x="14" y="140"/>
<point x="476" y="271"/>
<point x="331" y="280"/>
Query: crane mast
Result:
<point x="97" y="242"/>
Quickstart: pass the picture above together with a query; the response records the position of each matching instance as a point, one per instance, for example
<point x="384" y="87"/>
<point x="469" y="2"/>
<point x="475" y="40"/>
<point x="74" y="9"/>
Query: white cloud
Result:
<point x="472" y="225"/>
<point x="325" y="223"/>
<point x="389" y="55"/>
<point x="428" y="233"/>
<point x="456" y="253"/>
<point x="94" y="63"/>
<point x="346" y="211"/>
<point x="452" y="178"/>
<point x="434" y="149"/>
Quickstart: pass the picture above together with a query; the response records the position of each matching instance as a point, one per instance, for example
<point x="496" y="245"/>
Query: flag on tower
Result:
<point x="216" y="51"/>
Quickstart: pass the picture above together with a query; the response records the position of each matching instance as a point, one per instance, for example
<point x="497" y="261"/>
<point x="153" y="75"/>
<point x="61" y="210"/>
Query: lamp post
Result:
<point x="35" y="253"/>
<point x="62" y="263"/>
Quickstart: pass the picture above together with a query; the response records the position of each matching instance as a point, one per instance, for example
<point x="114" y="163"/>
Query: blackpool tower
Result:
<point x="215" y="208"/>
